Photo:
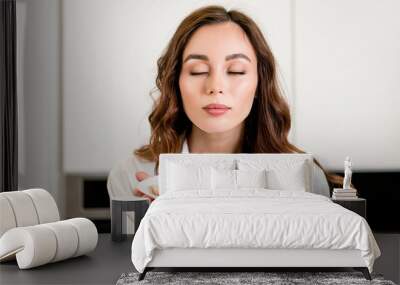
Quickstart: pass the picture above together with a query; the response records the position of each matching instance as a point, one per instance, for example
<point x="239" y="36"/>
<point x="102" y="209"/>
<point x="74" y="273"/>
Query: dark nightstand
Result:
<point x="120" y="207"/>
<point x="358" y="205"/>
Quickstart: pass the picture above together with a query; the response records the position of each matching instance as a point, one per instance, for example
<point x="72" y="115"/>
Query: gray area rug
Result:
<point x="284" y="278"/>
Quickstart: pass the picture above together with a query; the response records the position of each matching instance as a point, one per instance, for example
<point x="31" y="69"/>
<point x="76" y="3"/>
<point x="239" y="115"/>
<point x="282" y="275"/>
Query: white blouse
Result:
<point x="122" y="179"/>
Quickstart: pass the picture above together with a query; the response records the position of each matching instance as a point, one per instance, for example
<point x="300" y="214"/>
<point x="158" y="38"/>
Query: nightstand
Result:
<point x="358" y="205"/>
<point x="120" y="209"/>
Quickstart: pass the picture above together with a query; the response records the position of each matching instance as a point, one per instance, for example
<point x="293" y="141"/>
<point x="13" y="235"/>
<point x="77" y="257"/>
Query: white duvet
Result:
<point x="251" y="218"/>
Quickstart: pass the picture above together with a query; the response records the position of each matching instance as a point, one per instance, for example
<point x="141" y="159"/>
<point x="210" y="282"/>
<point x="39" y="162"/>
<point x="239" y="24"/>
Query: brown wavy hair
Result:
<point x="268" y="123"/>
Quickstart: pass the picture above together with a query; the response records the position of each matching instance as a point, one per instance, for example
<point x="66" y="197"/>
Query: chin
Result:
<point x="215" y="128"/>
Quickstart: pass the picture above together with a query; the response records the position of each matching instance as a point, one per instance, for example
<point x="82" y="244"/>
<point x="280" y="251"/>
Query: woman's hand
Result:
<point x="141" y="175"/>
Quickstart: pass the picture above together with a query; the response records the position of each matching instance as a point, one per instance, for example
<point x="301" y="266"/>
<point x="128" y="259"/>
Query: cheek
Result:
<point x="244" y="91"/>
<point x="190" y="90"/>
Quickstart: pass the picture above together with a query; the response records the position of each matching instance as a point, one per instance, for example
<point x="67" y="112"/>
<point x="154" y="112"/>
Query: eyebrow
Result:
<point x="228" y="57"/>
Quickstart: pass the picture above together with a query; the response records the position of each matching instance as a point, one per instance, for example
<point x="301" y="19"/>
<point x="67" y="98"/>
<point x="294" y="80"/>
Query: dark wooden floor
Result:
<point x="102" y="266"/>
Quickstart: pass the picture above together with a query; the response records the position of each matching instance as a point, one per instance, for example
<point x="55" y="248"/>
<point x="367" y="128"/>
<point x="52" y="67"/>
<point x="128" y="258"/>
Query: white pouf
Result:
<point x="40" y="244"/>
<point x="31" y="232"/>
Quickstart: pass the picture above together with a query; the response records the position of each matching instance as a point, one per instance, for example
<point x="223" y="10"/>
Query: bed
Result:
<point x="247" y="211"/>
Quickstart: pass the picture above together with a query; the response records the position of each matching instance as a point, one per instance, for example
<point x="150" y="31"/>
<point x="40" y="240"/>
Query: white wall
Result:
<point x="347" y="73"/>
<point x="339" y="65"/>
<point x="109" y="67"/>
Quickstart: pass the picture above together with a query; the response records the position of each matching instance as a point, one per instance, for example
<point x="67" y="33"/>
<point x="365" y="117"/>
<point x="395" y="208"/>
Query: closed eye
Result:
<point x="230" y="72"/>
<point x="198" y="73"/>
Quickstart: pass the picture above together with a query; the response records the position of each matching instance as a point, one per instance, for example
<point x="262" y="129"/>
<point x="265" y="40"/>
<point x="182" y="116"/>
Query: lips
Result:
<point x="216" y="106"/>
<point x="216" y="109"/>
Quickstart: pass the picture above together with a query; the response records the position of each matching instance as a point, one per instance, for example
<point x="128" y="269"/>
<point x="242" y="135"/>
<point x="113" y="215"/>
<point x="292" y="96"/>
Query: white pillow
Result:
<point x="252" y="178"/>
<point x="236" y="179"/>
<point x="224" y="179"/>
<point x="183" y="177"/>
<point x="283" y="173"/>
<point x="223" y="163"/>
<point x="293" y="178"/>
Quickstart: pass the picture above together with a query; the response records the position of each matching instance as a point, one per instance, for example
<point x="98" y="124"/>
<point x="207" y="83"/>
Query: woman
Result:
<point x="218" y="94"/>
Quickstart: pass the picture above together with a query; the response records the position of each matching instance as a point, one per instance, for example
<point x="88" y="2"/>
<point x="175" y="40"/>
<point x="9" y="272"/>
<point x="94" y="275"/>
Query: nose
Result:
<point x="215" y="84"/>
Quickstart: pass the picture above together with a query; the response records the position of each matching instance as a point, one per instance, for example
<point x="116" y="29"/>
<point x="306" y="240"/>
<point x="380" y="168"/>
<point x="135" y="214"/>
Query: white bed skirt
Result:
<point x="236" y="257"/>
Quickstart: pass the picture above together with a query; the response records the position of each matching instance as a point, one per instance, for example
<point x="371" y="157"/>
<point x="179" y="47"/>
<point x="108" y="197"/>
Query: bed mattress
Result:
<point x="250" y="219"/>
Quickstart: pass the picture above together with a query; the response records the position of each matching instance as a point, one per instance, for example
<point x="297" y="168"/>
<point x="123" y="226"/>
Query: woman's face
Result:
<point x="219" y="67"/>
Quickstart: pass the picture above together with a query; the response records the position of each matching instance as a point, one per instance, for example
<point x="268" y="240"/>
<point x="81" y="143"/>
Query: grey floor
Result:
<point x="111" y="259"/>
<point x="102" y="266"/>
<point x="388" y="263"/>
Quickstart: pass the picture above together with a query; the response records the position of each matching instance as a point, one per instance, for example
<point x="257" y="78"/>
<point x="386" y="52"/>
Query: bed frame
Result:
<point x="250" y="259"/>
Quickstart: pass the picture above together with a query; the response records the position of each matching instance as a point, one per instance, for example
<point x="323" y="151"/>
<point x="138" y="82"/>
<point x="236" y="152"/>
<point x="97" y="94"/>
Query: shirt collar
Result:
<point x="185" y="148"/>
